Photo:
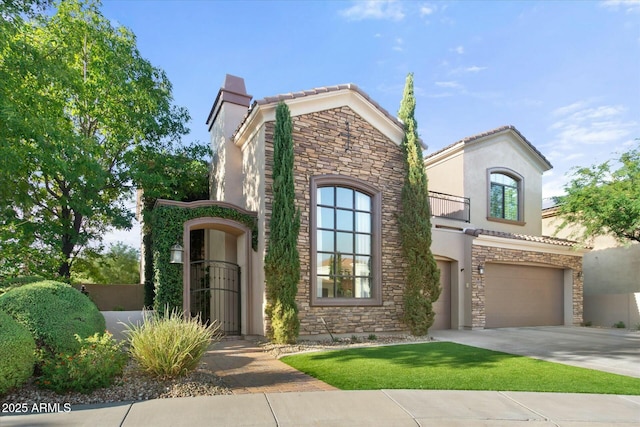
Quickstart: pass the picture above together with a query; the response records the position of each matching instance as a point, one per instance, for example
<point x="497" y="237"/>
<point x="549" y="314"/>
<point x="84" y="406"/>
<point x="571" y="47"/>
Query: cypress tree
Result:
<point x="282" y="262"/>
<point x="422" y="287"/>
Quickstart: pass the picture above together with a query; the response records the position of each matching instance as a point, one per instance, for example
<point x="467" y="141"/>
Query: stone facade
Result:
<point x="320" y="141"/>
<point x="481" y="255"/>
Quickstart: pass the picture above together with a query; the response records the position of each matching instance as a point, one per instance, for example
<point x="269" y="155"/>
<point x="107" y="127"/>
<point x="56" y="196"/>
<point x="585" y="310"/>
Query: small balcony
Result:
<point x="449" y="206"/>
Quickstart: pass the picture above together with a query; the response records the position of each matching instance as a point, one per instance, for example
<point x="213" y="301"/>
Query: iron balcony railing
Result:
<point x="449" y="206"/>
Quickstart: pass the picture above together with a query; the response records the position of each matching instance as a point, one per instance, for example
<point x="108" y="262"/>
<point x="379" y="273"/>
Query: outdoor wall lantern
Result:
<point x="176" y="254"/>
<point x="481" y="269"/>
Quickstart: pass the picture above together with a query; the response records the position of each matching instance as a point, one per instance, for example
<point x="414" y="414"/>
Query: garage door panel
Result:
<point x="517" y="295"/>
<point x="442" y="306"/>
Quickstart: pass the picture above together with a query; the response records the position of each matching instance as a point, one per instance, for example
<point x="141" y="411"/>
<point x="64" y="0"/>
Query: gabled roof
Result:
<point x="484" y="135"/>
<point x="323" y="97"/>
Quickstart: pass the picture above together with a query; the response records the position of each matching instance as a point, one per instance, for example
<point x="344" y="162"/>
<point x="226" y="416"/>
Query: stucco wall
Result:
<point x="502" y="152"/>
<point x="227" y="158"/>
<point x="447" y="176"/>
<point x="611" y="276"/>
<point x="253" y="190"/>
<point x="450" y="245"/>
<point x="609" y="309"/>
<point x="116" y="297"/>
<point x="319" y="149"/>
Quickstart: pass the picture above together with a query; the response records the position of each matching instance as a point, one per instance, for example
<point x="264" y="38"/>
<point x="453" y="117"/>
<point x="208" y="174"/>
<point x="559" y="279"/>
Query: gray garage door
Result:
<point x="442" y="307"/>
<point x="517" y="295"/>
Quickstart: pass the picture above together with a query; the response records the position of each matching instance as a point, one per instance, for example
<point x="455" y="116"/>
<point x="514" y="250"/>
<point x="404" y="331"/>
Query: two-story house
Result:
<point x="497" y="270"/>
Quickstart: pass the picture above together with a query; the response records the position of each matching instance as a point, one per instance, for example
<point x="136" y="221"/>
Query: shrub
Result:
<point x="372" y="337"/>
<point x="15" y="282"/>
<point x="53" y="312"/>
<point x="95" y="365"/>
<point x="16" y="353"/>
<point x="619" y="325"/>
<point x="170" y="346"/>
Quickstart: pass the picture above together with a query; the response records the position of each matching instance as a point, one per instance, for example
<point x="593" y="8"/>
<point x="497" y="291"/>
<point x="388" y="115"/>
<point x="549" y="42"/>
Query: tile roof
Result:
<point x="539" y="239"/>
<point x="493" y="132"/>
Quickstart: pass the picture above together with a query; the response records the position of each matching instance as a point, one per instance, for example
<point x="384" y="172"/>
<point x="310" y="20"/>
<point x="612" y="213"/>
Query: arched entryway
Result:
<point x="217" y="272"/>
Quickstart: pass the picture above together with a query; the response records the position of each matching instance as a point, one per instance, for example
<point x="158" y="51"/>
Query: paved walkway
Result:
<point x="246" y="368"/>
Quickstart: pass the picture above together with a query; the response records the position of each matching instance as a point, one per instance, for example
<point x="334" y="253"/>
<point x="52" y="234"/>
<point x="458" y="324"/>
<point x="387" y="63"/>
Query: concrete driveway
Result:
<point x="609" y="350"/>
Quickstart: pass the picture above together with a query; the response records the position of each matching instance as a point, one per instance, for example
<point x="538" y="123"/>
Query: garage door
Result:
<point x="442" y="307"/>
<point x="517" y="295"/>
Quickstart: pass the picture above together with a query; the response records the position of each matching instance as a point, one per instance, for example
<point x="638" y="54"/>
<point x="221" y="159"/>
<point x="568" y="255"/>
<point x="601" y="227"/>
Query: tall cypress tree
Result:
<point x="282" y="262"/>
<point x="422" y="287"/>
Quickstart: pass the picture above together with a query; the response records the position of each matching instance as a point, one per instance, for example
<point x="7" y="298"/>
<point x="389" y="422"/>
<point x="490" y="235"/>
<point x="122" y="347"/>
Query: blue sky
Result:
<point x="566" y="74"/>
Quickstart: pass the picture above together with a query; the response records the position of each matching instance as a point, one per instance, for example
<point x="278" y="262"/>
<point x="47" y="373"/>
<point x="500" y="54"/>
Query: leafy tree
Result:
<point x="79" y="108"/>
<point x="602" y="199"/>
<point x="118" y="265"/>
<point x="422" y="288"/>
<point x="282" y="262"/>
<point x="183" y="176"/>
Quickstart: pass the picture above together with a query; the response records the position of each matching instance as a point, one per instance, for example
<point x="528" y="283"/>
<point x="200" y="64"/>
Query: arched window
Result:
<point x="345" y="236"/>
<point x="505" y="195"/>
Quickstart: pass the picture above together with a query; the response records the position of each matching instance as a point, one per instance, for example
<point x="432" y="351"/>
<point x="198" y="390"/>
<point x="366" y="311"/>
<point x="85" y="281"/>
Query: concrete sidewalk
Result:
<point x="356" y="408"/>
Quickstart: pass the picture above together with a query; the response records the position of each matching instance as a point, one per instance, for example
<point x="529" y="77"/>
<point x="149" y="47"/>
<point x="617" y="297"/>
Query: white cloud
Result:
<point x="450" y="84"/>
<point x="629" y="6"/>
<point x="472" y="69"/>
<point x="427" y="9"/>
<point x="373" y="9"/>
<point x="579" y="124"/>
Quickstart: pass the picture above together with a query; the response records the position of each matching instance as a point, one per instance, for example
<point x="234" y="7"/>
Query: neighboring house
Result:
<point x="611" y="276"/>
<point x="348" y="175"/>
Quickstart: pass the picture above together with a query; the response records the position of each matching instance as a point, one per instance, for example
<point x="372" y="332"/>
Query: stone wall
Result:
<point x="320" y="140"/>
<point x="485" y="254"/>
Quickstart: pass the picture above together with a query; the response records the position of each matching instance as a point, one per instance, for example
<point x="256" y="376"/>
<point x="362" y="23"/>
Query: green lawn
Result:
<point x="449" y="366"/>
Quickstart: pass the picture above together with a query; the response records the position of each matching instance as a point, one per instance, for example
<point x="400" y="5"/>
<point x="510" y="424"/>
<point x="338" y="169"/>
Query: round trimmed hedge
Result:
<point x="53" y="312"/>
<point x="17" y="353"/>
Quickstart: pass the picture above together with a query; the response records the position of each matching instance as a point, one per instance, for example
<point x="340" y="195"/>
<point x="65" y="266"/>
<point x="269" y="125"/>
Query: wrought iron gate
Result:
<point x="215" y="294"/>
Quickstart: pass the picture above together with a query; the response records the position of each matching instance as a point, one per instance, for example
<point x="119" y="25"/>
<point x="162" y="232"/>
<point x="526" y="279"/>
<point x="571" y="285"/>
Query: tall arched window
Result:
<point x="505" y="195"/>
<point x="345" y="242"/>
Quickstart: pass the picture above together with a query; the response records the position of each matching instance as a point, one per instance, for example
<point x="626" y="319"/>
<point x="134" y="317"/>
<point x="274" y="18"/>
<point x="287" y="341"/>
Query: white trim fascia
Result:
<point x="525" y="245"/>
<point x="444" y="155"/>
<point x="320" y="102"/>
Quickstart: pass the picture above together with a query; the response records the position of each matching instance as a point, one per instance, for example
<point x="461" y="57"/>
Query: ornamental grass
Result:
<point x="170" y="346"/>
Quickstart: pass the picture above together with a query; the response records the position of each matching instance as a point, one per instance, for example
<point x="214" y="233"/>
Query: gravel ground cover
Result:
<point x="132" y="386"/>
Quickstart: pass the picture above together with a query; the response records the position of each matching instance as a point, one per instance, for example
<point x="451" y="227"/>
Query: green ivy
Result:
<point x="167" y="224"/>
